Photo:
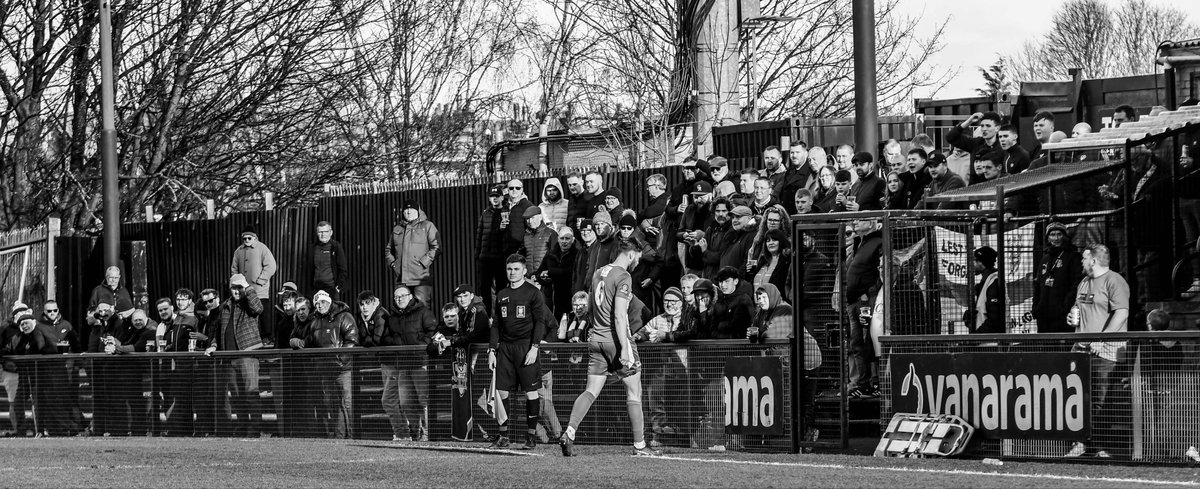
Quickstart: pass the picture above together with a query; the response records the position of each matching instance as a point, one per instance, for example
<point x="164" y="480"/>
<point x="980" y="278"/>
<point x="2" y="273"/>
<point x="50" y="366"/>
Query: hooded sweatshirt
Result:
<point x="555" y="213"/>
<point x="732" y="312"/>
<point x="776" y="321"/>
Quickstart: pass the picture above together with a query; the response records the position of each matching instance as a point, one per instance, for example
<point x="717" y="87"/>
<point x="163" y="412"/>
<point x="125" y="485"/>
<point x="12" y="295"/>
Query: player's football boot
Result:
<point x="567" y="445"/>
<point x="501" y="442"/>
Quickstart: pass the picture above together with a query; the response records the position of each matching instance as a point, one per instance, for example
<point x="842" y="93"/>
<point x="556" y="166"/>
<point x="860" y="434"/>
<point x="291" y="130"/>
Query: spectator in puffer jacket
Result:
<point x="538" y="237"/>
<point x="332" y="327"/>
<point x="557" y="272"/>
<point x="555" y="205"/>
<point x="412" y="249"/>
<point x="405" y="386"/>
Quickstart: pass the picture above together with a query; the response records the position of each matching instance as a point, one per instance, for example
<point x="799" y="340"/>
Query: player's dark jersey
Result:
<point x="608" y="283"/>
<point x="519" y="315"/>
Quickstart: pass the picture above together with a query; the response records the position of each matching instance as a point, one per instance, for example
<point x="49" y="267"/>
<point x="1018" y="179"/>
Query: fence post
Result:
<point x="210" y="209"/>
<point x="53" y="230"/>
<point x="149" y="212"/>
<point x="1000" y="255"/>
<point x="269" y="200"/>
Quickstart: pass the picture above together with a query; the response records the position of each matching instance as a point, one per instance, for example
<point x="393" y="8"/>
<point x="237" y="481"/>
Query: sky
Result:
<point x="978" y="30"/>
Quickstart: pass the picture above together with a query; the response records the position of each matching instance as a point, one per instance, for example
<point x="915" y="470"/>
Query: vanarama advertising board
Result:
<point x="1003" y="395"/>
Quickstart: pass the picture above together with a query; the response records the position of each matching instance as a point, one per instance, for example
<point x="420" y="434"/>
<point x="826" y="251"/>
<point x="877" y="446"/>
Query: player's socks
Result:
<point x="583" y="403"/>
<point x="639" y="424"/>
<point x="532" y="410"/>
<point x="508" y="409"/>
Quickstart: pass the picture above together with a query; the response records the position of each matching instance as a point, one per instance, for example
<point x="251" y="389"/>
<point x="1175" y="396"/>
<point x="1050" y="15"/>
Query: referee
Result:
<point x="520" y="317"/>
<point x="610" y="346"/>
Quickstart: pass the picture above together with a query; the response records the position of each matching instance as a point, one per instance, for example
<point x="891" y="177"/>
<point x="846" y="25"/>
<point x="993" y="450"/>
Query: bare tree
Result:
<point x="807" y="65"/>
<point x="1102" y="41"/>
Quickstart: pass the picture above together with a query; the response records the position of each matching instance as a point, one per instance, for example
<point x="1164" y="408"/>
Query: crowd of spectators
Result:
<point x="716" y="260"/>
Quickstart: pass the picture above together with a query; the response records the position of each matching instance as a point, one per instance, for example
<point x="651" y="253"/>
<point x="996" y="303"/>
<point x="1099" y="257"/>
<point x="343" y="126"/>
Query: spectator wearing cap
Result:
<point x="734" y="307"/>
<point x="538" y="237"/>
<point x="285" y="310"/>
<point x="28" y="339"/>
<point x="113" y="292"/>
<point x="8" y="374"/>
<point x="869" y="189"/>
<point x="555" y="206"/>
<point x="692" y="173"/>
<point x="943" y="180"/>
<point x="976" y="146"/>
<point x="330" y="270"/>
<point x="719" y="170"/>
<point x="695" y="216"/>
<point x="255" y="262"/>
<point x="577" y="202"/>
<point x="557" y="272"/>
<point x="490" y="235"/>
<point x="988" y="315"/>
<point x="740" y="238"/>
<point x="583" y="257"/>
<point x="705" y="252"/>
<point x="1054" y="281"/>
<point x="842" y="182"/>
<point x="703" y="295"/>
<point x="412" y="248"/>
<point x="237" y="329"/>
<point x="725" y="190"/>
<point x="332" y="326"/>
<point x="612" y="203"/>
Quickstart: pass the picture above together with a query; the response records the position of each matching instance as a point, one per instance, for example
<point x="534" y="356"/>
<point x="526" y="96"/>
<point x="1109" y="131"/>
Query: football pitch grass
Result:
<point x="275" y="462"/>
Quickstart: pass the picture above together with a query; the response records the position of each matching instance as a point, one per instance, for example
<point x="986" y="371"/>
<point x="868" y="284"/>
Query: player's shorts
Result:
<point x="511" y="371"/>
<point x="605" y="358"/>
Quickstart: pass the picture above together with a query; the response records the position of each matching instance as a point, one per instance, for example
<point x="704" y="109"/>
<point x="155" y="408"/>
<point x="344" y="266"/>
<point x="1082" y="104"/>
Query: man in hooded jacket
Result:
<point x="555" y="205"/>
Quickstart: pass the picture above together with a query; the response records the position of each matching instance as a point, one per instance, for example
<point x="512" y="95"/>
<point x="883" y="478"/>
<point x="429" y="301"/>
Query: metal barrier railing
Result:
<point x="1034" y="396"/>
<point x="341" y="392"/>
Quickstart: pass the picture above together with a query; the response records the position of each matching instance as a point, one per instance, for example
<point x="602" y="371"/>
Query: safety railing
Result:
<point x="378" y="393"/>
<point x="1133" y="397"/>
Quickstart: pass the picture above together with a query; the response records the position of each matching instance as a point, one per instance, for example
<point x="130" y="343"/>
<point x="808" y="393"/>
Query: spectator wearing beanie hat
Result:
<point x="411" y="250"/>
<point x="1055" y="281"/>
<point x="989" y="310"/>
<point x="612" y="203"/>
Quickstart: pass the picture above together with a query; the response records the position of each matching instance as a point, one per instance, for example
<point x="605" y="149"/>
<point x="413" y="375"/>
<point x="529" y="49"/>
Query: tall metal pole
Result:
<point x="866" y="110"/>
<point x="108" y="142"/>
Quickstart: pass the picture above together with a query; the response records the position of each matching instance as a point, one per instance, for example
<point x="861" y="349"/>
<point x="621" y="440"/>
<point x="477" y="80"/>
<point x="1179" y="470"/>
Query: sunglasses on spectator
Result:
<point x="210" y="301"/>
<point x="514" y="188"/>
<point x="48" y="311"/>
<point x="627" y="228"/>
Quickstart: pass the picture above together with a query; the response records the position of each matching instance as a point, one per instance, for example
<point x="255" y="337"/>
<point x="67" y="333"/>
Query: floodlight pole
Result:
<point x="108" y="142"/>
<point x="866" y="109"/>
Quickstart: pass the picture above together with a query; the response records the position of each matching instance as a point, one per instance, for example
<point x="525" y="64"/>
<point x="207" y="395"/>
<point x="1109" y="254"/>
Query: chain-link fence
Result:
<point x="1036" y="396"/>
<point x="379" y="393"/>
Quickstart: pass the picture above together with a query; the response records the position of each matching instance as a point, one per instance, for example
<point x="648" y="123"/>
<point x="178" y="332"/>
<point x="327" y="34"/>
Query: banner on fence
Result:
<point x="955" y="263"/>
<point x="1008" y="395"/>
<point x="754" y="396"/>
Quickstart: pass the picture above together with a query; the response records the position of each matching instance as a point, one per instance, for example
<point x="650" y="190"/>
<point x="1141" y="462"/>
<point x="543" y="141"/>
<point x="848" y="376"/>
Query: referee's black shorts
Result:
<point x="511" y="371"/>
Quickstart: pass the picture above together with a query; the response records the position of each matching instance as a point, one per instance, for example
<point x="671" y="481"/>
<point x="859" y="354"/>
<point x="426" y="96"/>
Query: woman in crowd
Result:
<point x="894" y="197"/>
<point x="826" y="194"/>
<point x="774" y="262"/>
<point x="775" y="217"/>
